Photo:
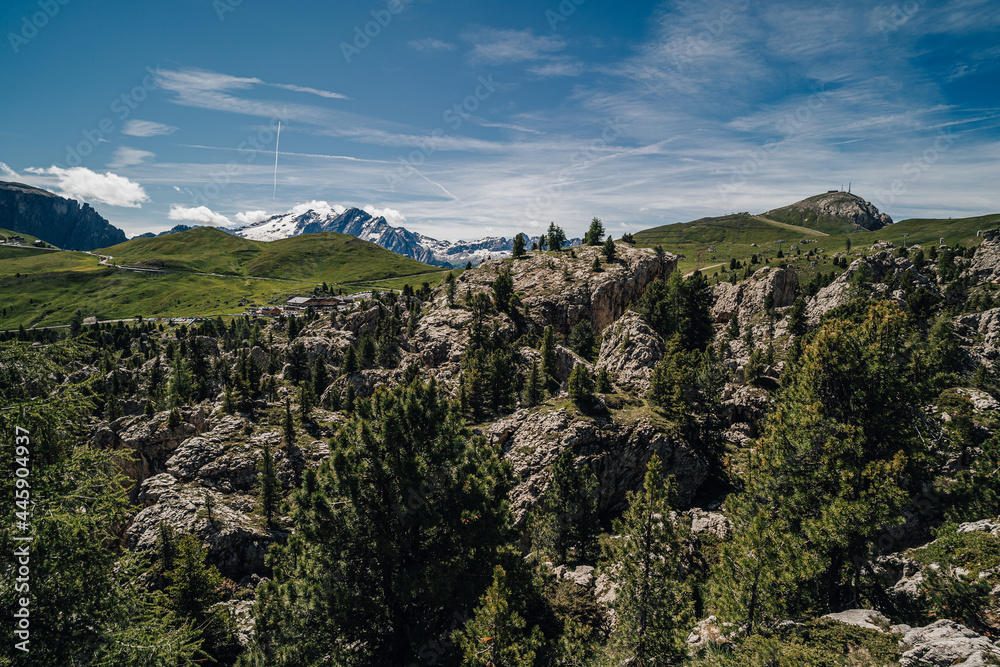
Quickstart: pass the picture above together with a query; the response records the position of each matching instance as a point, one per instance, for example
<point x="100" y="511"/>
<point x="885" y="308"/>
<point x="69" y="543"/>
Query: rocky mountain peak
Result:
<point x="833" y="207"/>
<point x="62" y="222"/>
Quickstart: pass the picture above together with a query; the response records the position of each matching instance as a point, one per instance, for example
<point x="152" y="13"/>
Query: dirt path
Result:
<point x="794" y="228"/>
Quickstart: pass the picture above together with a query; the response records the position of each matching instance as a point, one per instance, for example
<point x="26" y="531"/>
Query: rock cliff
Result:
<point x="62" y="222"/>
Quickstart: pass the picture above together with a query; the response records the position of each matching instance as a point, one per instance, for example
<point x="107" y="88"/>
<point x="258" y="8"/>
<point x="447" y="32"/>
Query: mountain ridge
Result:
<point x="63" y="222"/>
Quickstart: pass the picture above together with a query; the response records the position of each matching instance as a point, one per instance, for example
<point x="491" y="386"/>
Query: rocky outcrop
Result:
<point x="236" y="541"/>
<point x="861" y="618"/>
<point x="561" y="290"/>
<point x="630" y="349"/>
<point x="747" y="297"/>
<point x="983" y="329"/>
<point x="881" y="273"/>
<point x="985" y="264"/>
<point x="844" y="208"/>
<point x="617" y="454"/>
<point x="64" y="223"/>
<point x="946" y="643"/>
<point x="149" y="441"/>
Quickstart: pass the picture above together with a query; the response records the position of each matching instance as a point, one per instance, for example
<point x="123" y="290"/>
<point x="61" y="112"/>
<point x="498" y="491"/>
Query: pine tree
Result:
<point x="519" y="244"/>
<point x="797" y="324"/>
<point x="270" y="493"/>
<point x="595" y="233"/>
<point x="305" y="403"/>
<point x="320" y="377"/>
<point x="836" y="462"/>
<point x="581" y="386"/>
<point x="394" y="534"/>
<point x="497" y="635"/>
<point x="568" y="527"/>
<point x="603" y="384"/>
<point x="534" y="389"/>
<point x="549" y="359"/>
<point x="351" y="364"/>
<point x="653" y="604"/>
<point x="556" y="237"/>
<point x="288" y="426"/>
<point x="582" y="339"/>
<point x="608" y="250"/>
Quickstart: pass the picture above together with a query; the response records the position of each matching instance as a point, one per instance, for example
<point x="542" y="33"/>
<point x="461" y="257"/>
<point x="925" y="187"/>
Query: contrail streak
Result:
<point x="276" y="141"/>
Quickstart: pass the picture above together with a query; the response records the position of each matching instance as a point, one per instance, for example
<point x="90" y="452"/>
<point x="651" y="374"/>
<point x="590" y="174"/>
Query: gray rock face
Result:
<point x="985" y="264"/>
<point x="747" y="297"/>
<point x="709" y="523"/>
<point x="562" y="291"/>
<point x="629" y="350"/>
<point x="617" y="453"/>
<point x="223" y="459"/>
<point x="946" y="643"/>
<point x="236" y="541"/>
<point x="851" y="209"/>
<point x="62" y="222"/>
<point x="984" y="329"/>
<point x="862" y="618"/>
<point x="883" y="269"/>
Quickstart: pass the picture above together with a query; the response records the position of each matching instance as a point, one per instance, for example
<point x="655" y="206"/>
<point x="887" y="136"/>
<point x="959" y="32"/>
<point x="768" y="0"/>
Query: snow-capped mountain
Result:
<point x="353" y="221"/>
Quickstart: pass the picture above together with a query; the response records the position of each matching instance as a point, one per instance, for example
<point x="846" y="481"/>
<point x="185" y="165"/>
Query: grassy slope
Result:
<point x="35" y="260"/>
<point x="797" y="214"/>
<point x="331" y="257"/>
<point x="52" y="298"/>
<point x="326" y="257"/>
<point x="203" y="249"/>
<point x="28" y="238"/>
<point x="53" y="285"/>
<point x="732" y="238"/>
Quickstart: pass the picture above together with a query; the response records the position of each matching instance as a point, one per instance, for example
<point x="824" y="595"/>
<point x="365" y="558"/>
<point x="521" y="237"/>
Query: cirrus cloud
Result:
<point x="146" y="128"/>
<point x="108" y="188"/>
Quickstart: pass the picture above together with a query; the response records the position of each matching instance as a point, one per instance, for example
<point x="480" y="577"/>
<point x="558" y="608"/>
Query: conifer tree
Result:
<point x="549" y="359"/>
<point x="320" y="377"/>
<point x="497" y="635"/>
<point x="568" y="527"/>
<point x="581" y="386"/>
<point x="288" y="426"/>
<point x="595" y="233"/>
<point x="534" y="389"/>
<point x="270" y="493"/>
<point x="653" y="604"/>
<point x="608" y="250"/>
<point x="394" y="534"/>
<point x="351" y="364"/>
<point x="519" y="244"/>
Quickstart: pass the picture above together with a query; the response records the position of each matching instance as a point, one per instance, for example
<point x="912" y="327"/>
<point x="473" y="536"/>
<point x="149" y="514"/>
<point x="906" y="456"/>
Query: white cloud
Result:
<point x="7" y="172"/>
<point x="432" y="45"/>
<point x="511" y="46"/>
<point x="125" y="156"/>
<point x="312" y="91"/>
<point x="250" y="217"/>
<point x="201" y="214"/>
<point x="82" y="183"/>
<point x="321" y="207"/>
<point x="391" y="215"/>
<point x="146" y="128"/>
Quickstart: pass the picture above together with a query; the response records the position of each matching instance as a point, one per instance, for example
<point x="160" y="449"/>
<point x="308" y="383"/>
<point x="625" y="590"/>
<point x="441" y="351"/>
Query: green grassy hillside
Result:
<point x="331" y="257"/>
<point x="741" y="236"/>
<point x="28" y="238"/>
<point x="203" y="249"/>
<point x="326" y="257"/>
<point x="802" y="215"/>
<point x="34" y="260"/>
<point x="46" y="299"/>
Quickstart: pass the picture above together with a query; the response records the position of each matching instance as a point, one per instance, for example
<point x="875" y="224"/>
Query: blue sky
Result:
<point x="460" y="119"/>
